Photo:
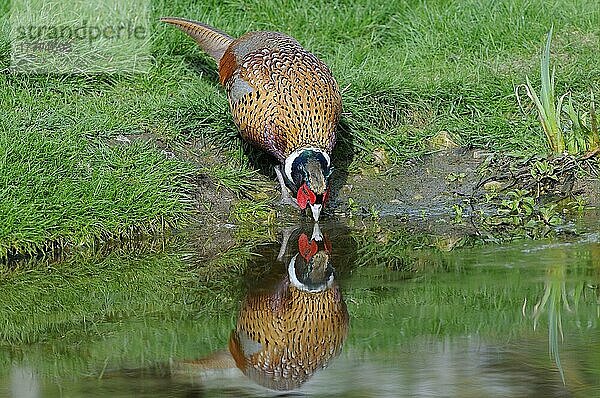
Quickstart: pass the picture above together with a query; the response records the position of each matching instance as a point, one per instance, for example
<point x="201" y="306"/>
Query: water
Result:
<point x="328" y="312"/>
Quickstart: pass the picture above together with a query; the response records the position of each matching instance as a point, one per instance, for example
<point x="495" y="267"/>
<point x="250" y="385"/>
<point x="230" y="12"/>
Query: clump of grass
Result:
<point x="575" y="136"/>
<point x="585" y="137"/>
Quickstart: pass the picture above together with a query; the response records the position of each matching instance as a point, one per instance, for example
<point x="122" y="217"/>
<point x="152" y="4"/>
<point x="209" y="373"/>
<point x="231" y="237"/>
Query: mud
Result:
<point x="421" y="192"/>
<point x="425" y="194"/>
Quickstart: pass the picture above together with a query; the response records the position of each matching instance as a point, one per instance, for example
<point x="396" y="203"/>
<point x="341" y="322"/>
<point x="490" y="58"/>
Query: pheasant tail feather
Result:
<point x="213" y="41"/>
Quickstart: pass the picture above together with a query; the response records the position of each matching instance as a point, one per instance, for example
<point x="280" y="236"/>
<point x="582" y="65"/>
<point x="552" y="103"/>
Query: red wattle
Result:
<point x="307" y="249"/>
<point x="305" y="196"/>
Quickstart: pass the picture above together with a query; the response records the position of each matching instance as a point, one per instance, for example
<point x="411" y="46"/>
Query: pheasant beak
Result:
<point x="316" y="211"/>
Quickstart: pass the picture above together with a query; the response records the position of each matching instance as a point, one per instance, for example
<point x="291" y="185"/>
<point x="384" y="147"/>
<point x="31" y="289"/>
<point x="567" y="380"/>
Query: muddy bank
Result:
<point x="452" y="192"/>
<point x="456" y="192"/>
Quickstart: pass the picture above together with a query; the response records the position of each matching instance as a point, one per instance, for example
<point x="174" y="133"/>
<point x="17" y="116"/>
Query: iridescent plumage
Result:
<point x="284" y="100"/>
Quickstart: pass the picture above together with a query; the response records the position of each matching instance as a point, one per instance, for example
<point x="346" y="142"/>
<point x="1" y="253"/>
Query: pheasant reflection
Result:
<point x="292" y="325"/>
<point x="287" y="332"/>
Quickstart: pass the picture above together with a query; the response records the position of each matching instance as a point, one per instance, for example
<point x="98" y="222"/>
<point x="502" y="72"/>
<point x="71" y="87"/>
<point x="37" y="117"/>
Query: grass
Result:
<point x="580" y="132"/>
<point x="408" y="70"/>
<point x="70" y="192"/>
<point x="549" y="110"/>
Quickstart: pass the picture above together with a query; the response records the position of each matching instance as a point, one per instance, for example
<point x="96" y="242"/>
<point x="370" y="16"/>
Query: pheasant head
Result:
<point x="311" y="270"/>
<point x="307" y="175"/>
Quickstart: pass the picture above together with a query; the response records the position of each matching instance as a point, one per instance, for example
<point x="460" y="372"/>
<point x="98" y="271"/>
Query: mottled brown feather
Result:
<point x="297" y="337"/>
<point x="292" y="102"/>
<point x="283" y="98"/>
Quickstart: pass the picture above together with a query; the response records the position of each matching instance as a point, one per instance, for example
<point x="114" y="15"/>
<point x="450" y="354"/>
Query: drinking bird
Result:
<point x="284" y="100"/>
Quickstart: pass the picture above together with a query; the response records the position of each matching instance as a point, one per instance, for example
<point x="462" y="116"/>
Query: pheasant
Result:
<point x="284" y="100"/>
<point x="287" y="331"/>
<point x="292" y="322"/>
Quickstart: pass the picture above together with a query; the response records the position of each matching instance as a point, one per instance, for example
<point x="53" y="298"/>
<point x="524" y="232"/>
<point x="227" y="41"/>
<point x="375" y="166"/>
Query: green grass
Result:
<point x="576" y="135"/>
<point x="61" y="189"/>
<point x="408" y="69"/>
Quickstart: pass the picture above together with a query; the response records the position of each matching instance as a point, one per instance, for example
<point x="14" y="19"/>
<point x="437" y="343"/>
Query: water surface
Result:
<point x="334" y="313"/>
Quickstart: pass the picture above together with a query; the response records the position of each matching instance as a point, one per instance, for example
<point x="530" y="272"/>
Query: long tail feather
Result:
<point x="213" y="41"/>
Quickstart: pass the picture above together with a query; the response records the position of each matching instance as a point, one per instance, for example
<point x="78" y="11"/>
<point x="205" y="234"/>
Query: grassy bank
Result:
<point x="409" y="70"/>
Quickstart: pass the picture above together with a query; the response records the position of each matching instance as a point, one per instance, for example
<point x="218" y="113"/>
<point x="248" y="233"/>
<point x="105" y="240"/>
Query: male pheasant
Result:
<point x="292" y="322"/>
<point x="292" y="327"/>
<point x="284" y="100"/>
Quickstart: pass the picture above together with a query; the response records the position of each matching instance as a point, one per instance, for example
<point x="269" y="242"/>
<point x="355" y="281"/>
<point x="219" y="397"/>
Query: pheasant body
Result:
<point x="284" y="100"/>
<point x="282" y="97"/>
<point x="281" y="340"/>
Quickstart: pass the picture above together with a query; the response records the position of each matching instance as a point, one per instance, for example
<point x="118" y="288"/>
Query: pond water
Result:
<point x="327" y="311"/>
